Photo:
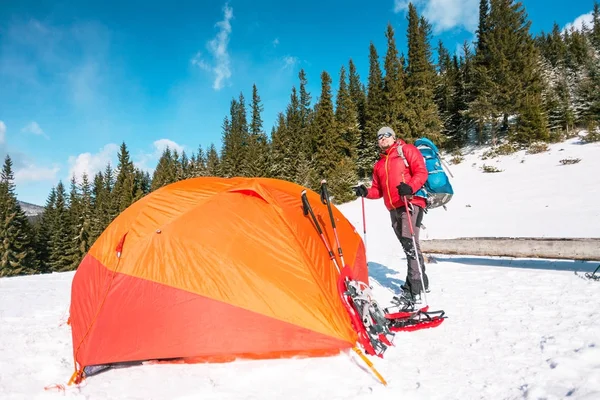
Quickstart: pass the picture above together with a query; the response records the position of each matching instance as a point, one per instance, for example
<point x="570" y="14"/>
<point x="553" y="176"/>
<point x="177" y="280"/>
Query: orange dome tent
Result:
<point x="210" y="269"/>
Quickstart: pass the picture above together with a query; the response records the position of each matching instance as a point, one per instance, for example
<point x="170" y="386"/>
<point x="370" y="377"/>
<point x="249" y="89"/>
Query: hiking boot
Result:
<point x="417" y="300"/>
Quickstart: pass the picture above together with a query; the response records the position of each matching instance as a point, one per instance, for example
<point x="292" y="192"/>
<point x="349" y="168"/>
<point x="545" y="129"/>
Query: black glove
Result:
<point x="404" y="189"/>
<point x="360" y="190"/>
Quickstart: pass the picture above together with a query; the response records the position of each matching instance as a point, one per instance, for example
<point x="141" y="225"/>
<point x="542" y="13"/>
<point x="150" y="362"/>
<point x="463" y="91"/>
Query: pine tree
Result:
<point x="213" y="163"/>
<point x="327" y="138"/>
<point x="281" y="162"/>
<point x="480" y="105"/>
<point x="258" y="149"/>
<point x="306" y="116"/>
<point x="111" y="206"/>
<point x="293" y="144"/>
<point x="357" y="94"/>
<point x="348" y="129"/>
<point x="235" y="140"/>
<point x="395" y="103"/>
<point x="595" y="32"/>
<point x="74" y="211"/>
<point x="124" y="189"/>
<point x="347" y="119"/>
<point x="84" y="220"/>
<point x="515" y="74"/>
<point x="44" y="232"/>
<point x="199" y="163"/>
<point x="100" y="200"/>
<point x="17" y="254"/>
<point x="422" y="113"/>
<point x="374" y="116"/>
<point x="166" y="170"/>
<point x="61" y="244"/>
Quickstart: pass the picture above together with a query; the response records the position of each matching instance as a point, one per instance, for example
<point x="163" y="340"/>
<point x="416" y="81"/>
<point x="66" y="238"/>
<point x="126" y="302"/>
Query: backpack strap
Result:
<point x="401" y="154"/>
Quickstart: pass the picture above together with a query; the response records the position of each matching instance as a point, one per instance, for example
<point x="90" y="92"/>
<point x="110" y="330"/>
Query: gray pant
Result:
<point x="402" y="229"/>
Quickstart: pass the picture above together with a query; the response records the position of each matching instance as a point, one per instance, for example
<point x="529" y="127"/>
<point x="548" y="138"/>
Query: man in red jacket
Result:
<point x="396" y="183"/>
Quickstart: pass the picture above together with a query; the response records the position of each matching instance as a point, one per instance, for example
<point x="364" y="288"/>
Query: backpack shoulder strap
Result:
<point x="401" y="154"/>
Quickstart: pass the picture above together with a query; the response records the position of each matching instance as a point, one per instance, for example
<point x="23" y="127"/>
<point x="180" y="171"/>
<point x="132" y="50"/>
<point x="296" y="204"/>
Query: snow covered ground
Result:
<point x="517" y="329"/>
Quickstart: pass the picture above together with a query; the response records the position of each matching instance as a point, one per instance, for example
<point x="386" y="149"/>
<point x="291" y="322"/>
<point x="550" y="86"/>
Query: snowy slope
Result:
<point x="516" y="328"/>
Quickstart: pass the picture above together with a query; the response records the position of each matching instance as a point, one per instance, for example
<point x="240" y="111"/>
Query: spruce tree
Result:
<point x="44" y="231"/>
<point x="17" y="254"/>
<point x="199" y="163"/>
<point x="258" y="149"/>
<point x="515" y="75"/>
<point x="422" y="115"/>
<point x="394" y="96"/>
<point x="480" y="87"/>
<point x="235" y="140"/>
<point x="357" y="94"/>
<point x="100" y="200"/>
<point x="293" y="143"/>
<point x="374" y="116"/>
<point x="61" y="244"/>
<point x="327" y="138"/>
<point x="595" y="32"/>
<point x="84" y="220"/>
<point x="213" y="162"/>
<point x="74" y="211"/>
<point x="166" y="170"/>
<point x="306" y="116"/>
<point x="347" y="119"/>
<point x="124" y="189"/>
<point x="281" y="164"/>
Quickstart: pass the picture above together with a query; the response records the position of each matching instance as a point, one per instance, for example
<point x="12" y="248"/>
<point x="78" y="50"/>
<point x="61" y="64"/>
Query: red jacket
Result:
<point x="389" y="171"/>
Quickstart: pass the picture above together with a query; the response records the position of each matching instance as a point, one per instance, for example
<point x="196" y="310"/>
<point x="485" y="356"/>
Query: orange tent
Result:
<point x="210" y="269"/>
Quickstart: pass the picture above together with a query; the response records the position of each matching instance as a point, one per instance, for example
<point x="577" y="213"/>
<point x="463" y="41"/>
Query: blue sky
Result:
<point x="78" y="78"/>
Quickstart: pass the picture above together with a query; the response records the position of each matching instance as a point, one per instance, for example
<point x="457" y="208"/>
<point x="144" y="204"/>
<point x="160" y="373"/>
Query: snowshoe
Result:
<point x="594" y="275"/>
<point x="368" y="318"/>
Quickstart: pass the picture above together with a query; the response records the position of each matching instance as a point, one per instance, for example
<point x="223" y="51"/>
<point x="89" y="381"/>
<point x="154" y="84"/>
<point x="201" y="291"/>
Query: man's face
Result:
<point x="385" y="140"/>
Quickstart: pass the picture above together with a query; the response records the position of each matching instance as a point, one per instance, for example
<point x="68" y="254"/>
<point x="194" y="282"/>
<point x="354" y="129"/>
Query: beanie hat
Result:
<point x="386" y="129"/>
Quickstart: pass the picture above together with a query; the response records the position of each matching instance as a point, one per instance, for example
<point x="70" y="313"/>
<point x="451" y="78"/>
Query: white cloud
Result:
<point x="33" y="173"/>
<point x="289" y="62"/>
<point x="2" y="132"/>
<point x="160" y="146"/>
<point x="402" y="5"/>
<point x="445" y="15"/>
<point x="577" y="25"/>
<point x="218" y="49"/>
<point x="275" y="42"/>
<point x="93" y="163"/>
<point x="148" y="161"/>
<point x="34" y="127"/>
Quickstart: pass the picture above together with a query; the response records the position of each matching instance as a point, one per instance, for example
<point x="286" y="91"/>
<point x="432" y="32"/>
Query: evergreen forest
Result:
<point x="509" y="90"/>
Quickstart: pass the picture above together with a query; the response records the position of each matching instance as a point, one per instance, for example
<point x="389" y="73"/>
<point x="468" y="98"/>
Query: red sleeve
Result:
<point x="416" y="163"/>
<point x="375" y="189"/>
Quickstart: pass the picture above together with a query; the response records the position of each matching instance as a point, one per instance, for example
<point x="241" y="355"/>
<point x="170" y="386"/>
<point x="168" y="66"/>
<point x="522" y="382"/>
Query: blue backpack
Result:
<point x="437" y="190"/>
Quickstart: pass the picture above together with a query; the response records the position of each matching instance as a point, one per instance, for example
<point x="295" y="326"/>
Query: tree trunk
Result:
<point x="587" y="249"/>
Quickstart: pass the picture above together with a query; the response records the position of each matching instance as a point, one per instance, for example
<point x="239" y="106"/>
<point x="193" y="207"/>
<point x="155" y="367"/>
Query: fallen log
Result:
<point x="584" y="249"/>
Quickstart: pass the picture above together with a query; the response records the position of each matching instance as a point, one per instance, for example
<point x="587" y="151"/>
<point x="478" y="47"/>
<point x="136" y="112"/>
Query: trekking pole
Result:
<point x="325" y="200"/>
<point x="307" y="209"/>
<point x="364" y="225"/>
<point x="414" y="240"/>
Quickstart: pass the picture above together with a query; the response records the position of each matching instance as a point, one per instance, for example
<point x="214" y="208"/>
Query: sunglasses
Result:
<point x="384" y="135"/>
